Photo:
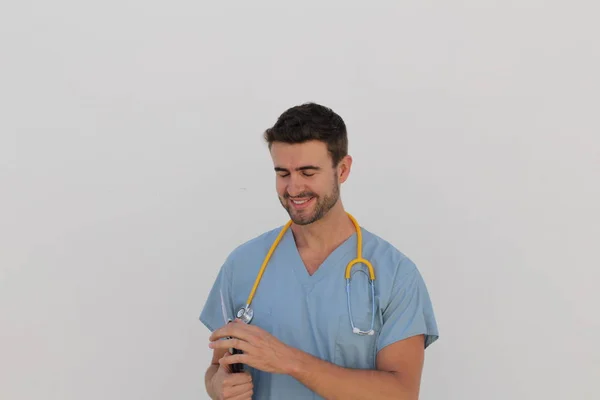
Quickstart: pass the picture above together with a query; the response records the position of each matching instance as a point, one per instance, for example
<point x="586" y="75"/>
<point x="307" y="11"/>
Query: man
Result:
<point x="300" y="343"/>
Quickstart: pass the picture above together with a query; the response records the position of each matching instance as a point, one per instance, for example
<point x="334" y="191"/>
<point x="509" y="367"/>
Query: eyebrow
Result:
<point x="303" y="168"/>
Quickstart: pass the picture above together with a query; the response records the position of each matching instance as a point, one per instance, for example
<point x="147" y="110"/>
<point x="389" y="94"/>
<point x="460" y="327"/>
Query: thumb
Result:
<point x="225" y="366"/>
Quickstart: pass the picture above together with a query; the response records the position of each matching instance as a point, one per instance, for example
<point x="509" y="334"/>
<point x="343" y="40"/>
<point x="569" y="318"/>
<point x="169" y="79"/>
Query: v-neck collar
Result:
<point x="328" y="266"/>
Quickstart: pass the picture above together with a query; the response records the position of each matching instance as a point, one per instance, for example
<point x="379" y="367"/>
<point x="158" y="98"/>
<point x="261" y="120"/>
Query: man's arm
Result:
<point x="221" y="383"/>
<point x="398" y="374"/>
<point x="211" y="370"/>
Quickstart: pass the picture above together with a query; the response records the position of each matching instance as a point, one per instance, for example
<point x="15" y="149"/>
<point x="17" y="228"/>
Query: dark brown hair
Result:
<point x="311" y="121"/>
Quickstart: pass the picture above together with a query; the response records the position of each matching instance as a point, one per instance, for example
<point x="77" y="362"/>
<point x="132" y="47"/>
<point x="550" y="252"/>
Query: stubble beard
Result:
<point x="322" y="207"/>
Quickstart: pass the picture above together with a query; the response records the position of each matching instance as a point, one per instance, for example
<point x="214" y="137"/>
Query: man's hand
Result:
<point x="397" y="376"/>
<point x="262" y="350"/>
<point x="227" y="385"/>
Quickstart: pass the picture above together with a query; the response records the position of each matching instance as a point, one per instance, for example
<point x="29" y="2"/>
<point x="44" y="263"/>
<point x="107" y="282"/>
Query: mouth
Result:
<point x="299" y="204"/>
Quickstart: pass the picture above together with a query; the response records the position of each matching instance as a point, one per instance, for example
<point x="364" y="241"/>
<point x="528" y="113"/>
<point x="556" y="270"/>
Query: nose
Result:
<point x="295" y="186"/>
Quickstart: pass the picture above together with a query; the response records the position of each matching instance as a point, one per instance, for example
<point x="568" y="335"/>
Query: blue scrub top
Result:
<point x="311" y="312"/>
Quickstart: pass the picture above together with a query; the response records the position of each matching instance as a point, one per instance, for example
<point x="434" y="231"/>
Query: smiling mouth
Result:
<point x="300" y="203"/>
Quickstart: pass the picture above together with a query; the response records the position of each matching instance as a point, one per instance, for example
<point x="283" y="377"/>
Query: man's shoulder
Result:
<point x="257" y="245"/>
<point x="386" y="254"/>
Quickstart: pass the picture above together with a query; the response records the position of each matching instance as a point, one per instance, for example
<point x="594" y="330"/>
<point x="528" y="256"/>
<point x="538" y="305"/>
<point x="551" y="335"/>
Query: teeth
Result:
<point x="299" y="202"/>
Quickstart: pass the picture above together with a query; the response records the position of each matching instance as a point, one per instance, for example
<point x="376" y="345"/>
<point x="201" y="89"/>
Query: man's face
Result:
<point x="308" y="185"/>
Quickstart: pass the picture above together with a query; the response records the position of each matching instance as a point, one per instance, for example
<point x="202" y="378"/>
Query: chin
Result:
<point x="300" y="218"/>
<point x="303" y="218"/>
<point x="302" y="222"/>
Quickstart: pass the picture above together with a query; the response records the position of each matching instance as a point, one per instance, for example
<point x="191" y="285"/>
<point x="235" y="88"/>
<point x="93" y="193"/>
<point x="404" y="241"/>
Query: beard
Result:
<point x="321" y="207"/>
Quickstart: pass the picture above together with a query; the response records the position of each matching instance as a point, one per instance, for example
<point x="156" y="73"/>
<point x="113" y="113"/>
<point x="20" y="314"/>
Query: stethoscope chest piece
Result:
<point x="245" y="314"/>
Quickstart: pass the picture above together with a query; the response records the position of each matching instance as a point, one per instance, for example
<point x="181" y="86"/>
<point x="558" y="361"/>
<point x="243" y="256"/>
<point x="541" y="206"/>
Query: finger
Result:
<point x="233" y="343"/>
<point x="244" y="396"/>
<point x="252" y="328"/>
<point x="225" y="355"/>
<point x="239" y="330"/>
<point x="234" y="359"/>
<point x="234" y="391"/>
<point x="255" y="329"/>
<point x="241" y="378"/>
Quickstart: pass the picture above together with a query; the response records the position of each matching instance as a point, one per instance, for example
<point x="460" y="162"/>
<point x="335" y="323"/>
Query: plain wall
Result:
<point x="132" y="163"/>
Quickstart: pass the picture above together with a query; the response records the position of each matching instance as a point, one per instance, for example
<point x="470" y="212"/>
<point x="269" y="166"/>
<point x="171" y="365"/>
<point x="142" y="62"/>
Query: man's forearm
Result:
<point x="210" y="372"/>
<point x="334" y="382"/>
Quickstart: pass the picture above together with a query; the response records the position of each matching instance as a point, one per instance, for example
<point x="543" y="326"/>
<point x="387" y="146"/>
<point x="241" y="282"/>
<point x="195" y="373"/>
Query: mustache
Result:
<point x="301" y="195"/>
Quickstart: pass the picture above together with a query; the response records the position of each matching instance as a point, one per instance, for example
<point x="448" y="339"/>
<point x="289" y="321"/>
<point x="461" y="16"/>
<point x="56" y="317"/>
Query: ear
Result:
<point x="344" y="168"/>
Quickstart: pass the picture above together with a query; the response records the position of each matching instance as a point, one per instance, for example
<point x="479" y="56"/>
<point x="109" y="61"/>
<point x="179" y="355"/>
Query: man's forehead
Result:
<point x="298" y="154"/>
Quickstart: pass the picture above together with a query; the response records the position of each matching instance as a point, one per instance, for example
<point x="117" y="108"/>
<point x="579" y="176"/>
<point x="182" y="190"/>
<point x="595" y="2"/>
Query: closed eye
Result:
<point x="304" y="173"/>
<point x="308" y="170"/>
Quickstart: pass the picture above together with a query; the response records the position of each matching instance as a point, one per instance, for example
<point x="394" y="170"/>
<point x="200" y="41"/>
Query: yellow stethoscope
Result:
<point x="246" y="313"/>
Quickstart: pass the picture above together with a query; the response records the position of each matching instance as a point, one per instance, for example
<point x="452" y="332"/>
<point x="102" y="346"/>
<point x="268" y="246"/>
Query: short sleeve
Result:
<point x="409" y="311"/>
<point x="212" y="315"/>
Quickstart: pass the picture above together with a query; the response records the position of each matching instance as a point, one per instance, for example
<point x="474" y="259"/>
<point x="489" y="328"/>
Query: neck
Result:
<point x="326" y="233"/>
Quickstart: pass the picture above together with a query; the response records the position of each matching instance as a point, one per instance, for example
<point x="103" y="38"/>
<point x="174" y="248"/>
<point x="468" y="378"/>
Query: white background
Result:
<point x="132" y="163"/>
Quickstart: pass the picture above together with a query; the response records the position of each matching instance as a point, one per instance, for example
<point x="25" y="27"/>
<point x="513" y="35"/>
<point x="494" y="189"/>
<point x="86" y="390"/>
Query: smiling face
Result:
<point x="308" y="185"/>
